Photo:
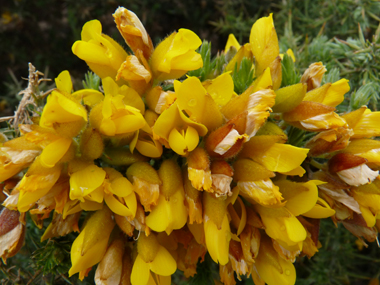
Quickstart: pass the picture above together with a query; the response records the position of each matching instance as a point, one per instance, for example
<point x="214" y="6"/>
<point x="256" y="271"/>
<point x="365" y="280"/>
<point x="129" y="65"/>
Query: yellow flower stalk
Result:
<point x="102" y="54"/>
<point x="176" y="55"/>
<point x="152" y="258"/>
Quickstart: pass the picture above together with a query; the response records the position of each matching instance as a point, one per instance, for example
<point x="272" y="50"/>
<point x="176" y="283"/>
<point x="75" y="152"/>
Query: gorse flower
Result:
<point x="168" y="166"/>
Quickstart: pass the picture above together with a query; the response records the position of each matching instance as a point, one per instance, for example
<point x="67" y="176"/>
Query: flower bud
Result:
<point x="133" y="31"/>
<point x="313" y="75"/>
<point x="91" y="144"/>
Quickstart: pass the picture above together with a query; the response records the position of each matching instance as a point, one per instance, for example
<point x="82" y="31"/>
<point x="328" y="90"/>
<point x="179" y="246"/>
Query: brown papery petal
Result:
<point x="342" y="161"/>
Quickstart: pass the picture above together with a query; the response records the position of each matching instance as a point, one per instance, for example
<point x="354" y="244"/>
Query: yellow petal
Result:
<point x="193" y="98"/>
<point x="163" y="264"/>
<point x="282" y="272"/>
<point x="85" y="181"/>
<point x="117" y="207"/>
<point x="300" y="197"/>
<point x="60" y="109"/>
<point x="55" y="151"/>
<point x="330" y="94"/>
<point x="63" y="82"/>
<point x="140" y="272"/>
<point x="217" y="241"/>
<point x="231" y="42"/>
<point x="320" y="210"/>
<point x="91" y="257"/>
<point x="282" y="225"/>
<point x="89" y="97"/>
<point x="221" y="89"/>
<point x="282" y="157"/>
<point x="264" y="42"/>
<point x="287" y="98"/>
<point x="168" y="215"/>
<point x="121" y="187"/>
<point x="263" y="192"/>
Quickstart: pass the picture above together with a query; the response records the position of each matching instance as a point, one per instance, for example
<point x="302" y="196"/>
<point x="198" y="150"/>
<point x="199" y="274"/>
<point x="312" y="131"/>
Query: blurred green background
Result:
<point x="341" y="34"/>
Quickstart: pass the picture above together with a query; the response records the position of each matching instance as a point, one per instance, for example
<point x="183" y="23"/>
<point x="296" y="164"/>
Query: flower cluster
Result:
<point x="185" y="165"/>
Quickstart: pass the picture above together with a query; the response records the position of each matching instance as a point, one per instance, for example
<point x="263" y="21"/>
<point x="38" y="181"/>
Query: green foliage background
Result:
<point x="343" y="34"/>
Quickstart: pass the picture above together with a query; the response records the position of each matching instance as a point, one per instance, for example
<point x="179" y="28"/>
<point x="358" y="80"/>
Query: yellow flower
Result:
<point x="198" y="104"/>
<point x="244" y="51"/>
<point x="221" y="89"/>
<point x="170" y="213"/>
<point x="90" y="246"/>
<point x="152" y="257"/>
<point x="113" y="116"/>
<point x="102" y="54"/>
<point x="176" y="131"/>
<point x="61" y="110"/>
<point x="176" y="55"/>
<point x="193" y="200"/>
<point x="118" y="194"/>
<point x="329" y="141"/>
